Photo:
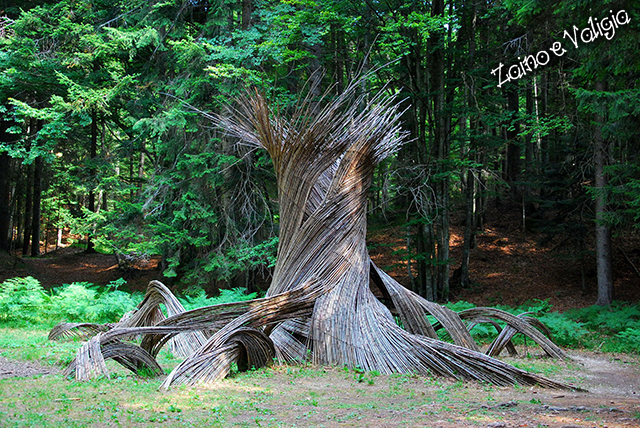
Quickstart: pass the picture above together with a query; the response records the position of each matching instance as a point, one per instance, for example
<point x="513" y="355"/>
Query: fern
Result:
<point x="566" y="332"/>
<point x="83" y="302"/>
<point x="630" y="338"/>
<point x="610" y="320"/>
<point x="21" y="300"/>
<point x="74" y="302"/>
<point x="199" y="299"/>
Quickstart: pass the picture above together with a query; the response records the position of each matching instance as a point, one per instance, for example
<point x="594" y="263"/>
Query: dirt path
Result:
<point x="14" y="368"/>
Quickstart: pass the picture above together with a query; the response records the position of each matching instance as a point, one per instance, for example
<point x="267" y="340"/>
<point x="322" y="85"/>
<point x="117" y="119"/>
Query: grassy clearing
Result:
<point x="281" y="396"/>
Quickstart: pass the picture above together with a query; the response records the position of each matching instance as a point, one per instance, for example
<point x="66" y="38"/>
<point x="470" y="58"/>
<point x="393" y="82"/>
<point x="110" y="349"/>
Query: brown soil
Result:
<point x="71" y="264"/>
<point x="335" y="399"/>
<point x="13" y="368"/>
<point x="510" y="267"/>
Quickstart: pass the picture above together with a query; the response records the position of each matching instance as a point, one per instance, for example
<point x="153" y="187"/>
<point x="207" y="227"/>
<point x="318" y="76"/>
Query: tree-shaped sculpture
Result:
<point x="320" y="304"/>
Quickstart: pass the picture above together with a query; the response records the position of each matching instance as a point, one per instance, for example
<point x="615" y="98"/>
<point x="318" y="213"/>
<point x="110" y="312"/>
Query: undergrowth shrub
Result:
<point x="199" y="299"/>
<point x="630" y="339"/>
<point x="74" y="302"/>
<point x="21" y="300"/>
<point x="84" y="302"/>
<point x="612" y="329"/>
<point x="566" y="332"/>
<point x="617" y="317"/>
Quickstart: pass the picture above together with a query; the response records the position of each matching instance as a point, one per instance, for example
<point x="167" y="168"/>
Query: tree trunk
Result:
<point x="603" y="230"/>
<point x="37" y="198"/>
<point x="141" y="179"/>
<point x="512" y="170"/>
<point x="5" y="193"/>
<point x="422" y="284"/>
<point x="530" y="145"/>
<point x="6" y="199"/>
<point x="247" y="10"/>
<point x="469" y="228"/>
<point x="105" y="155"/>
<point x="470" y="124"/>
<point x="17" y="217"/>
<point x="441" y="154"/>
<point x="5" y="203"/>
<point x="28" y="208"/>
<point x="93" y="152"/>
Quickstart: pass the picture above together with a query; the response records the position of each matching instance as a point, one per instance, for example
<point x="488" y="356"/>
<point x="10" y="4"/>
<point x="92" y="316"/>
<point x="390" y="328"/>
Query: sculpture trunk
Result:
<point x="320" y="304"/>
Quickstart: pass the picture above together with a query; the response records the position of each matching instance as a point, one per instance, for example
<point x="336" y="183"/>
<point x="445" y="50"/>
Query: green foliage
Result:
<point x="75" y="302"/>
<point x="460" y="305"/>
<point x="566" y="332"/>
<point x="630" y="339"/>
<point x="82" y="302"/>
<point x="24" y="301"/>
<point x="200" y="299"/>
<point x="614" y="329"/>
<point x="623" y="194"/>
<point x="610" y="320"/>
<point x="21" y="300"/>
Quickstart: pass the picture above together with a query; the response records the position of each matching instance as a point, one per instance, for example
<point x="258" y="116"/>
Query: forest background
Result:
<point x="106" y="131"/>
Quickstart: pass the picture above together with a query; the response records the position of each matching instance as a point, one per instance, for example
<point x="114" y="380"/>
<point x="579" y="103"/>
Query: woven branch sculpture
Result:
<point x="319" y="306"/>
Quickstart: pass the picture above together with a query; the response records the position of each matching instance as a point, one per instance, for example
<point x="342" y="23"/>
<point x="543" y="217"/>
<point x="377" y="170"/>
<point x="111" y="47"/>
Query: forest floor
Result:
<point x="510" y="267"/>
<point x="507" y="267"/>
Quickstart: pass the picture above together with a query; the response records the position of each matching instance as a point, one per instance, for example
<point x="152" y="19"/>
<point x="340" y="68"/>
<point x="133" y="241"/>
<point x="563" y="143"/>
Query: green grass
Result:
<point x="286" y="396"/>
<point x="300" y="395"/>
<point x="32" y="344"/>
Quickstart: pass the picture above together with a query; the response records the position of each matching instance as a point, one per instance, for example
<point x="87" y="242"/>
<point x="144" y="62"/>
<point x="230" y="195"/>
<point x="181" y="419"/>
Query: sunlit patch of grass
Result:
<point x="304" y="395"/>
<point x="32" y="344"/>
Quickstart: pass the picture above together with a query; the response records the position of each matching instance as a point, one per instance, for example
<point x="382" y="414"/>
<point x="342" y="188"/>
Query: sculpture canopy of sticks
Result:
<point x="320" y="305"/>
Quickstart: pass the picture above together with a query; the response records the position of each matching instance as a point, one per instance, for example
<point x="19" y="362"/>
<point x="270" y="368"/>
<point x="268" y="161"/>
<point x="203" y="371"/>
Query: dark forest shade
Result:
<point x="117" y="89"/>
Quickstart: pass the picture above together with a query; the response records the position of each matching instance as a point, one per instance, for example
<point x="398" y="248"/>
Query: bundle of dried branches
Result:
<point x="320" y="305"/>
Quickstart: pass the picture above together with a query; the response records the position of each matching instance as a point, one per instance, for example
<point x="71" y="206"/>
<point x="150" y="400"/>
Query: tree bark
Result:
<point x="37" y="199"/>
<point x="441" y="152"/>
<point x="19" y="195"/>
<point x="28" y="208"/>
<point x="247" y="9"/>
<point x="603" y="230"/>
<point x="5" y="195"/>
<point x="512" y="170"/>
<point x="470" y="124"/>
<point x="93" y="152"/>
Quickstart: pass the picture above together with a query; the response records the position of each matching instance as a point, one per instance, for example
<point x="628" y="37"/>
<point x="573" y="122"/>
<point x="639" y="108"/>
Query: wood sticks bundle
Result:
<point x="319" y="306"/>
